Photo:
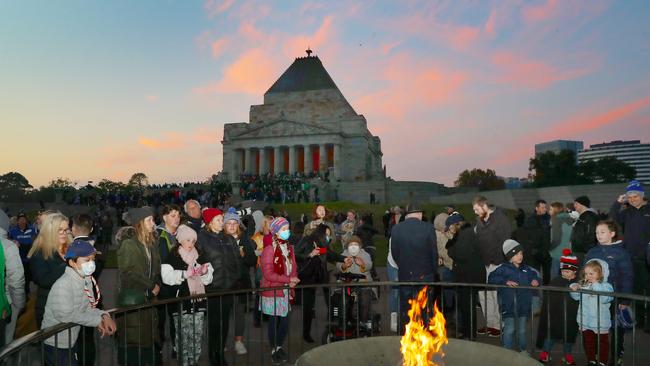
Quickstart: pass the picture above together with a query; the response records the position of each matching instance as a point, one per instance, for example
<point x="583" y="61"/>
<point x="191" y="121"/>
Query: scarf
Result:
<point x="281" y="261"/>
<point x="194" y="282"/>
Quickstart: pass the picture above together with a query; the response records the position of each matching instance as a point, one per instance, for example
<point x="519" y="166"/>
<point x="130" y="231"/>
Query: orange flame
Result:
<point x="420" y="343"/>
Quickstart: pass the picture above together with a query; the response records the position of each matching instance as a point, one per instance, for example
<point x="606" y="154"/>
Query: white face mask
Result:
<point x="354" y="250"/>
<point x="88" y="268"/>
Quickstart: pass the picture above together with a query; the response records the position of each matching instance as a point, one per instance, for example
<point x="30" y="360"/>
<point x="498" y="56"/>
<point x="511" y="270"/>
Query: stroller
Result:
<point x="344" y="312"/>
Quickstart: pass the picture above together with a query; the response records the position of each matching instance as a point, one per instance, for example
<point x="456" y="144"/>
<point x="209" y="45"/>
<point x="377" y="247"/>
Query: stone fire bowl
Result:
<point x="384" y="351"/>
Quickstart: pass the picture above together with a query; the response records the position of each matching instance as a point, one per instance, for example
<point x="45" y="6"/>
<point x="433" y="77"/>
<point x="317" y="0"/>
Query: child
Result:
<point x="71" y="300"/>
<point x="563" y="328"/>
<point x="593" y="313"/>
<point x="621" y="273"/>
<point x="186" y="272"/>
<point x="515" y="305"/>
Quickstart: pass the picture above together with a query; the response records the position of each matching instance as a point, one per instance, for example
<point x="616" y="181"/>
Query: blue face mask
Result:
<point x="284" y="235"/>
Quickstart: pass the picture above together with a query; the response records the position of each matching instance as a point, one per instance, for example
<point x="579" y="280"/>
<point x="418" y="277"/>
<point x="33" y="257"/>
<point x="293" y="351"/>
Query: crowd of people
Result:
<point x="176" y="251"/>
<point x="280" y="188"/>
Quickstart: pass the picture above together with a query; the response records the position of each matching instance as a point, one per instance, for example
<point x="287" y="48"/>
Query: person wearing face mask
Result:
<point x="72" y="299"/>
<point x="358" y="261"/>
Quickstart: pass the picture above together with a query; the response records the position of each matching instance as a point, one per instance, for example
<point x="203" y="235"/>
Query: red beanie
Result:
<point x="209" y="214"/>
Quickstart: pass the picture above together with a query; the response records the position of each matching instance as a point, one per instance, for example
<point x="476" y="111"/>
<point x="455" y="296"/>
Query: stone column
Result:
<point x="277" y="160"/>
<point x="322" y="159"/>
<point x="248" y="160"/>
<point x="264" y="161"/>
<point x="292" y="159"/>
<point x="308" y="160"/>
<point x="337" y="161"/>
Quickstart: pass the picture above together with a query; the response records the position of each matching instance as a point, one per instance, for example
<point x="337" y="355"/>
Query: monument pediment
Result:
<point x="283" y="128"/>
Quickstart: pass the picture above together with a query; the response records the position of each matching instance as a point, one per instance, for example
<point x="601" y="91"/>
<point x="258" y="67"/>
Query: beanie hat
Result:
<point x="354" y="239"/>
<point x="258" y="217"/>
<point x="511" y="248"/>
<point x="568" y="261"/>
<point x="185" y="232"/>
<point x="635" y="187"/>
<point x="453" y="219"/>
<point x="136" y="215"/>
<point x="277" y="224"/>
<point x="231" y="215"/>
<point x="209" y="214"/>
<point x="4" y="221"/>
<point x="583" y="200"/>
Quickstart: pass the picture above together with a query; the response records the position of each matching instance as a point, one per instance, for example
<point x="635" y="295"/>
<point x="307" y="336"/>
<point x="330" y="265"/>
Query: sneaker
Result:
<point x="568" y="359"/>
<point x="483" y="330"/>
<point x="283" y="355"/>
<point x="393" y="322"/>
<point x="492" y="332"/>
<point x="240" y="348"/>
<point x="275" y="357"/>
<point x="544" y="357"/>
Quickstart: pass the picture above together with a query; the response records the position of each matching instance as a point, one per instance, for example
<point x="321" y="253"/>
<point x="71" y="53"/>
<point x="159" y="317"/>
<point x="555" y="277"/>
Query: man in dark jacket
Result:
<point x="193" y="219"/>
<point x="492" y="229"/>
<point x="583" y="236"/>
<point x="535" y="237"/>
<point x="415" y="250"/>
<point x="635" y="220"/>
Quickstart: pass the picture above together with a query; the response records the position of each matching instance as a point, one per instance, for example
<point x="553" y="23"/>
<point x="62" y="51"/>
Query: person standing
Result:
<point x="561" y="227"/>
<point x="194" y="220"/>
<point x="414" y="249"/>
<point x="635" y="219"/>
<point x="492" y="230"/>
<point x="583" y="236"/>
<point x="24" y="235"/>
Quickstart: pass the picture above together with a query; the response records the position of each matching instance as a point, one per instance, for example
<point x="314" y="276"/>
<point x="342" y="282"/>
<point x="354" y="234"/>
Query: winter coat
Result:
<point x="561" y="227"/>
<point x="171" y="273"/>
<point x="463" y="249"/>
<point x="589" y="317"/>
<point x="67" y="302"/>
<point x="355" y="268"/>
<point x="14" y="274"/>
<point x="196" y="224"/>
<point x="25" y="239"/>
<point x="272" y="279"/>
<point x="441" y="240"/>
<point x="44" y="273"/>
<point x="583" y="236"/>
<point x="166" y="242"/>
<point x="222" y="252"/>
<point x="621" y="270"/>
<point x="247" y="261"/>
<point x="636" y="224"/>
<point x="415" y="250"/>
<point x="554" y="306"/>
<point x="491" y="234"/>
<point x="302" y="251"/>
<point x="537" y="240"/>
<point x="137" y="273"/>
<point x="524" y="276"/>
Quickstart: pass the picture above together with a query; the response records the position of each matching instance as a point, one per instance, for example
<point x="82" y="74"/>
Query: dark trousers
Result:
<point x="411" y="292"/>
<point x="467" y="301"/>
<point x="278" y="328"/>
<point x="642" y="287"/>
<point x="86" y="346"/>
<point x="165" y="312"/>
<point x="60" y="356"/>
<point x="219" y="309"/>
<point x="308" y="304"/>
<point x="596" y="345"/>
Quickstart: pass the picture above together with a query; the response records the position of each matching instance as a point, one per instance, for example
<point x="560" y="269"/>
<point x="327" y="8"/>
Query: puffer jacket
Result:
<point x="636" y="222"/>
<point x="222" y="252"/>
<point x="583" y="236"/>
<point x="523" y="275"/>
<point x="269" y="277"/>
<point x="621" y="270"/>
<point x="592" y="315"/>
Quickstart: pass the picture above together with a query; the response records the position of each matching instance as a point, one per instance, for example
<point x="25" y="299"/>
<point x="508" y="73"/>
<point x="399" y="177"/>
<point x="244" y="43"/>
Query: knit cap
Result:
<point x="635" y="187"/>
<point x="583" y="200"/>
<point x="568" y="260"/>
<point x="184" y="233"/>
<point x="136" y="215"/>
<point x="231" y="215"/>
<point x="453" y="219"/>
<point x="354" y="239"/>
<point x="277" y="224"/>
<point x="209" y="214"/>
<point x="511" y="248"/>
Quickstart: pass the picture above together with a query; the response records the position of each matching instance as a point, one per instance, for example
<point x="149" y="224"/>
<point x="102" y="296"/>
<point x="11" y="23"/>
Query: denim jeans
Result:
<point x="394" y="290"/>
<point x="514" y="327"/>
<point x="446" y="275"/>
<point x="548" y="345"/>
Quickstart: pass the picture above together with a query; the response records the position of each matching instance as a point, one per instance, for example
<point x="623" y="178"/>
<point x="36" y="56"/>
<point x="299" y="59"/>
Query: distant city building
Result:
<point x="558" y="145"/>
<point x="514" y="182"/>
<point x="632" y="152"/>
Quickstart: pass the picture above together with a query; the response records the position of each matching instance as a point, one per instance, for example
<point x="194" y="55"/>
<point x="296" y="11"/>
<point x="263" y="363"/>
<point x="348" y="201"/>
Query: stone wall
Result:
<point x="601" y="195"/>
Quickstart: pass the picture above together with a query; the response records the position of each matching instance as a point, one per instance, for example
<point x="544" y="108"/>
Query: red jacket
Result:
<point x="269" y="277"/>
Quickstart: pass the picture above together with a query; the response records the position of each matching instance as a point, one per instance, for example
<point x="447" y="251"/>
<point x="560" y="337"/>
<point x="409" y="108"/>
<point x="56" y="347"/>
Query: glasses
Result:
<point x="64" y="231"/>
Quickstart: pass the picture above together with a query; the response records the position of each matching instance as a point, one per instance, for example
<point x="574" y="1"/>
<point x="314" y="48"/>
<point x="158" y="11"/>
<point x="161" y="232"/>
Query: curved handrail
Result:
<point x="42" y="334"/>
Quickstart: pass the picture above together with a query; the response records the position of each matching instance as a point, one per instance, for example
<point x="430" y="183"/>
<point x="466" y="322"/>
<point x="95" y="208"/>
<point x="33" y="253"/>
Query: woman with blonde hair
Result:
<point x="46" y="257"/>
<point x="138" y="263"/>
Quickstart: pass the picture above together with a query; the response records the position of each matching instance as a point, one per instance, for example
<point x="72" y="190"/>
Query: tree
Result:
<point x="13" y="185"/>
<point x="612" y="170"/>
<point x="107" y="185"/>
<point x="138" y="181"/>
<point x="62" y="183"/>
<point x="484" y="180"/>
<point x="554" y="169"/>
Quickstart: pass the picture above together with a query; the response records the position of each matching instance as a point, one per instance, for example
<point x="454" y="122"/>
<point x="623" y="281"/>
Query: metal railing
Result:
<point x="338" y="314"/>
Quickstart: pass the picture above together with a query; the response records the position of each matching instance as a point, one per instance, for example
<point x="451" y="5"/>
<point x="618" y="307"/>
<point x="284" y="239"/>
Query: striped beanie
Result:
<point x="277" y="224"/>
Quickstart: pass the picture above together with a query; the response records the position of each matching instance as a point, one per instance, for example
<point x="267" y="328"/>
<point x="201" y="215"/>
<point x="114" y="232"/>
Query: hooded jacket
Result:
<point x="514" y="302"/>
<point x="636" y="222"/>
<point x="583" y="236"/>
<point x="593" y="311"/>
<point x="621" y="271"/>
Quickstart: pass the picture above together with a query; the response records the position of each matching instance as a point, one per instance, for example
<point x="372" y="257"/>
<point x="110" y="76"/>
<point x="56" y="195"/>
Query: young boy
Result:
<point x="515" y="304"/>
<point x="72" y="300"/>
<point x="554" y="326"/>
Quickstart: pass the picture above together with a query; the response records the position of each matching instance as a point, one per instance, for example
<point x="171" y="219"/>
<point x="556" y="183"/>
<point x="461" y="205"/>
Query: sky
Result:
<point x="105" y="89"/>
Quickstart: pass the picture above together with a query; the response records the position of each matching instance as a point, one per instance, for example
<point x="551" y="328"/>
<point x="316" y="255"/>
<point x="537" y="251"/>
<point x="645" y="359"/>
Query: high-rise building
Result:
<point x="632" y="152"/>
<point x="558" y="145"/>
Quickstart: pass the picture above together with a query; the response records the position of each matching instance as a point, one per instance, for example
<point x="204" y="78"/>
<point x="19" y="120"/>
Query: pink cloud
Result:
<point x="296" y="45"/>
<point x="152" y="98"/>
<point x="170" y="140"/>
<point x="253" y="72"/>
<point x="218" y="47"/>
<point x="215" y="7"/>
<point x="386" y="48"/>
<point x="536" y="13"/>
<point x="490" y="24"/>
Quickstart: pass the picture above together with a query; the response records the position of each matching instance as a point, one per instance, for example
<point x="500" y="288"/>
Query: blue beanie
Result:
<point x="635" y="187"/>
<point x="231" y="215"/>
